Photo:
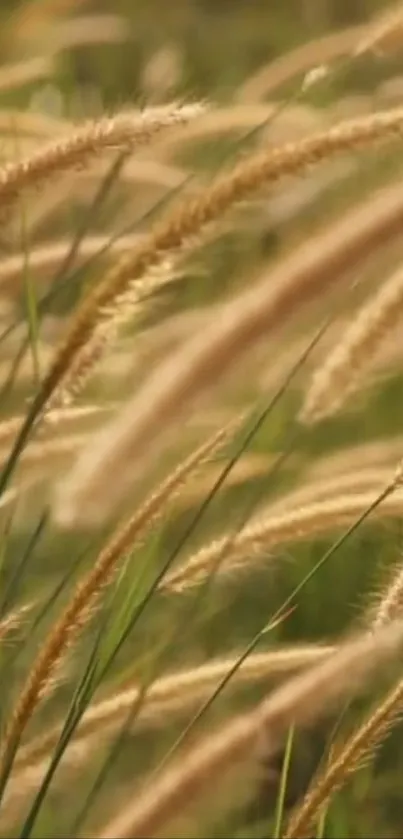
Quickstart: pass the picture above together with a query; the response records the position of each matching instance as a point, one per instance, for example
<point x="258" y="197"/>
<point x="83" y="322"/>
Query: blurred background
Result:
<point x="193" y="48"/>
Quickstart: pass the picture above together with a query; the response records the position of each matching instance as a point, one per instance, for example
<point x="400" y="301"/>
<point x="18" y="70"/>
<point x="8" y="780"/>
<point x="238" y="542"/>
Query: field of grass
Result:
<point x="201" y="478"/>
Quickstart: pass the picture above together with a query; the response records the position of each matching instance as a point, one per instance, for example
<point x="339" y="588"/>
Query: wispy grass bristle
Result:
<point x="13" y="620"/>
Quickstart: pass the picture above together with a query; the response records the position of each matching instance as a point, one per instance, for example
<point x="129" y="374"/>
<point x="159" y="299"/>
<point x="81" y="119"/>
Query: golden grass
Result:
<point x="345" y="760"/>
<point x="193" y="216"/>
<point x="173" y="694"/>
<point x="300" y="701"/>
<point x="13" y="620"/>
<point x="202" y="362"/>
<point x="128" y="130"/>
<point x="90" y="588"/>
<point x="271" y="531"/>
<point x="203" y="335"/>
<point x="389" y="600"/>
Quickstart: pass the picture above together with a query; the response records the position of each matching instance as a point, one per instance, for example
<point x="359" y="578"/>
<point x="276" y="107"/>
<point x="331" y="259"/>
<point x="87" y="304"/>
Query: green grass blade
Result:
<point x="9" y="592"/>
<point x="283" y="784"/>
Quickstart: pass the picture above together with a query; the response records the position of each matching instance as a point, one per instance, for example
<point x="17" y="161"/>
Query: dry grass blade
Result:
<point x="347" y="363"/>
<point x="128" y="129"/>
<point x="90" y="588"/>
<point x="300" y="701"/>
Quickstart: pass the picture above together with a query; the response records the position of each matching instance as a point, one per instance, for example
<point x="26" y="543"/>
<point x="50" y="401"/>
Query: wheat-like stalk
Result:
<point x="347" y="757"/>
<point x="347" y="362"/>
<point x="128" y="129"/>
<point x="345" y="761"/>
<point x="389" y="601"/>
<point x="89" y="590"/>
<point x="268" y="532"/>
<point x="300" y="701"/>
<point x="290" y="125"/>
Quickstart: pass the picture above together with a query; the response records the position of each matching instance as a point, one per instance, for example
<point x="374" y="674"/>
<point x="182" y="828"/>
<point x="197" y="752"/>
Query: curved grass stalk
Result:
<point x="128" y="129"/>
